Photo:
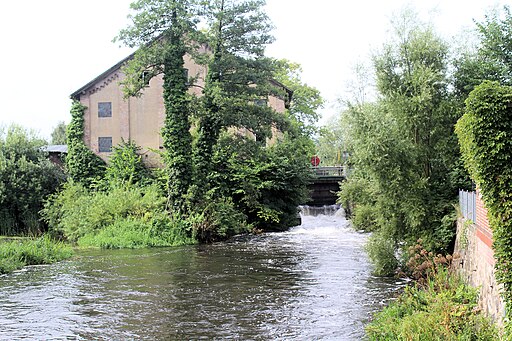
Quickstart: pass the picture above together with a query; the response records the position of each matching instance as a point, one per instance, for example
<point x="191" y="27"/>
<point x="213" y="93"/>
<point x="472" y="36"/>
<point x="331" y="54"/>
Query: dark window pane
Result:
<point x="261" y="102"/>
<point x="185" y="73"/>
<point x="104" y="144"/>
<point x="146" y="77"/>
<point x="105" y="109"/>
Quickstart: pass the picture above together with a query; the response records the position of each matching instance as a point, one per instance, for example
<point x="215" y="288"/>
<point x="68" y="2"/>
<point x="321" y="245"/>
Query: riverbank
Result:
<point x="443" y="308"/>
<point x="15" y="253"/>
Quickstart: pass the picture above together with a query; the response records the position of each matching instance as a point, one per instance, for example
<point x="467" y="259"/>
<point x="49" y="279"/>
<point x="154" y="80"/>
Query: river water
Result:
<point x="311" y="283"/>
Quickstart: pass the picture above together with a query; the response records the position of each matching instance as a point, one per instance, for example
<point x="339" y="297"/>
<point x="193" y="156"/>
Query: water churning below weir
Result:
<point x="312" y="282"/>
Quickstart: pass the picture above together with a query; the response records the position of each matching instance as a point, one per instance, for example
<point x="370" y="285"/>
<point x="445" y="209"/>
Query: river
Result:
<point x="312" y="282"/>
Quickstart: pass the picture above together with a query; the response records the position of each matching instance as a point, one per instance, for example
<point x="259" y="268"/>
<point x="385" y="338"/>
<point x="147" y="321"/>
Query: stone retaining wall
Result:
<point x="474" y="260"/>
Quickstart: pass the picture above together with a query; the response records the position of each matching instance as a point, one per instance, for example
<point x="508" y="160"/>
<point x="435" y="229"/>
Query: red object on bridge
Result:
<point x="315" y="160"/>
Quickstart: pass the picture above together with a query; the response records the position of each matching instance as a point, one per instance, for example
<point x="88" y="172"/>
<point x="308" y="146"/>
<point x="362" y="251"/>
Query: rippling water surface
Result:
<point x="312" y="282"/>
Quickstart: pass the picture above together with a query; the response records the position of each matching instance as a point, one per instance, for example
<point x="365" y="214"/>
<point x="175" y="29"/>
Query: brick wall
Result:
<point x="474" y="260"/>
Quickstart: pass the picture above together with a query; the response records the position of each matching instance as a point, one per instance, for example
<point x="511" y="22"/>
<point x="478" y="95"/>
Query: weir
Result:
<point x="330" y="210"/>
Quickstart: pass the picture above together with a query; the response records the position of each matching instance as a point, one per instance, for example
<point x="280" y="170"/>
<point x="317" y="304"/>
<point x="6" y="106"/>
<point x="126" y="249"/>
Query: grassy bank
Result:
<point x="17" y="253"/>
<point x="443" y="308"/>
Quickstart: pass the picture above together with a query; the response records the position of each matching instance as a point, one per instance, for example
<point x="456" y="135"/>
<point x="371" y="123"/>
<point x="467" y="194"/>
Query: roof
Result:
<point x="55" y="148"/>
<point x="83" y="89"/>
<point x="76" y="95"/>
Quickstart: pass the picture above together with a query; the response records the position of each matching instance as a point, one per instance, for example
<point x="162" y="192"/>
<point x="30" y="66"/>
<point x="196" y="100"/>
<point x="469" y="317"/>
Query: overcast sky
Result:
<point x="51" y="48"/>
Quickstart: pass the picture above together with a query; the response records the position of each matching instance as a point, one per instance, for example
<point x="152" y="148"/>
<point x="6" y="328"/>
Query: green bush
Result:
<point x="445" y="309"/>
<point x="265" y="184"/>
<point x="27" y="177"/>
<point x="381" y="251"/>
<point x="218" y="221"/>
<point x="44" y="250"/>
<point x="125" y="165"/>
<point x="485" y="137"/>
<point x="364" y="217"/>
<point x="77" y="212"/>
<point x="137" y="233"/>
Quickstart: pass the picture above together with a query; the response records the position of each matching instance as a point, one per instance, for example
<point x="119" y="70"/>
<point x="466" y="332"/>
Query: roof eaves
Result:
<point x="76" y="95"/>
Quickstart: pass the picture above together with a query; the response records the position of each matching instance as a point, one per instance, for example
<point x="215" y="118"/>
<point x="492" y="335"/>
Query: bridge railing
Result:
<point x="333" y="171"/>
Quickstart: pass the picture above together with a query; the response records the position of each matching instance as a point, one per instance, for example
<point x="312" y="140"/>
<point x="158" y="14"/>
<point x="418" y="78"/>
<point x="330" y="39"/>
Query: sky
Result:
<point x="52" y="48"/>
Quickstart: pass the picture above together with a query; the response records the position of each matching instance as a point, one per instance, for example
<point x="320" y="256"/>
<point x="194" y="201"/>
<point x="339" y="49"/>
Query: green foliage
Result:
<point x="27" y="177"/>
<point x="238" y="75"/>
<point x="443" y="309"/>
<point x="82" y="165"/>
<point x="219" y="220"/>
<point x="162" y="30"/>
<point x="492" y="59"/>
<point x="485" y="136"/>
<point x="16" y="254"/>
<point x="135" y="233"/>
<point x="330" y="143"/>
<point x="59" y="133"/>
<point x="127" y="216"/>
<point x="77" y="211"/>
<point x="364" y="217"/>
<point x="381" y="251"/>
<point x="266" y="183"/>
<point x="402" y="147"/>
<point x="306" y="100"/>
<point x="126" y="166"/>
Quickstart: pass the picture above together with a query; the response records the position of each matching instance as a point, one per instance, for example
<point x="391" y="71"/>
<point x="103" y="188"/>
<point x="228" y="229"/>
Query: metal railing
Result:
<point x="334" y="171"/>
<point x="467" y="203"/>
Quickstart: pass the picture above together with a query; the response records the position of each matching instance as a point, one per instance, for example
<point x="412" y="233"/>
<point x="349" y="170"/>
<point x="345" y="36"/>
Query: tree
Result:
<point x="238" y="79"/>
<point x="59" y="133"/>
<point x="125" y="166"/>
<point x="162" y="31"/>
<point x="330" y="143"/>
<point x="305" y="101"/>
<point x="403" y="146"/>
<point x="82" y="165"/>
<point x="27" y="177"/>
<point x="492" y="58"/>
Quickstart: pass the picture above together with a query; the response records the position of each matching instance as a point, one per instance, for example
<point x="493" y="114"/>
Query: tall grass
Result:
<point x="15" y="254"/>
<point x="133" y="233"/>
<point x="437" y="306"/>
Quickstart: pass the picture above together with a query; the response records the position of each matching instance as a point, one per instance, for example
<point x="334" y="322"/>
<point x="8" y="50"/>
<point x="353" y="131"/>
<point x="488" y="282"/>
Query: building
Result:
<point x="110" y="119"/>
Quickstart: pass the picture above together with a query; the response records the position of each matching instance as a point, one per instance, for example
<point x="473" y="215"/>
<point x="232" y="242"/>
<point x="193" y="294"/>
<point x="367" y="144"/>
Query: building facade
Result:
<point x="110" y="118"/>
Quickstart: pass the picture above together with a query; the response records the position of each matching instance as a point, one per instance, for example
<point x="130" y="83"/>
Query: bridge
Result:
<point x="325" y="185"/>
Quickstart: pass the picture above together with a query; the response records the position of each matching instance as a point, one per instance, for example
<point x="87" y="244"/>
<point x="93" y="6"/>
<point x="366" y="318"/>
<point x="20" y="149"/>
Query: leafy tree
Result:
<point x="59" y="133"/>
<point x="266" y="184"/>
<point x="403" y="146"/>
<point x="330" y="143"/>
<point x="161" y="30"/>
<point x="238" y="78"/>
<point x="82" y="165"/>
<point x="126" y="166"/>
<point x="492" y="59"/>
<point x="27" y="177"/>
<point x="306" y="100"/>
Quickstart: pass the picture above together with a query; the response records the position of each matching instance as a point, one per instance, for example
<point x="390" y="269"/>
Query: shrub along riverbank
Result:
<point x="437" y="306"/>
<point x="20" y="252"/>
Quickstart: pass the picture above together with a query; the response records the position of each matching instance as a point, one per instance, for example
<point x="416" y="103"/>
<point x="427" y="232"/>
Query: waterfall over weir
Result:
<point x="331" y="210"/>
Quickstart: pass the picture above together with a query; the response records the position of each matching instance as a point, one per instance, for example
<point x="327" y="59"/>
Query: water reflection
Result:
<point x="312" y="282"/>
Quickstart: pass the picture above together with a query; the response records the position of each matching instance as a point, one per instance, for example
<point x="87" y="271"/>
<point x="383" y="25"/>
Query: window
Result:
<point x="105" y="109"/>
<point x="104" y="144"/>
<point x="261" y="102"/>
<point x="185" y="73"/>
<point x="145" y="77"/>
